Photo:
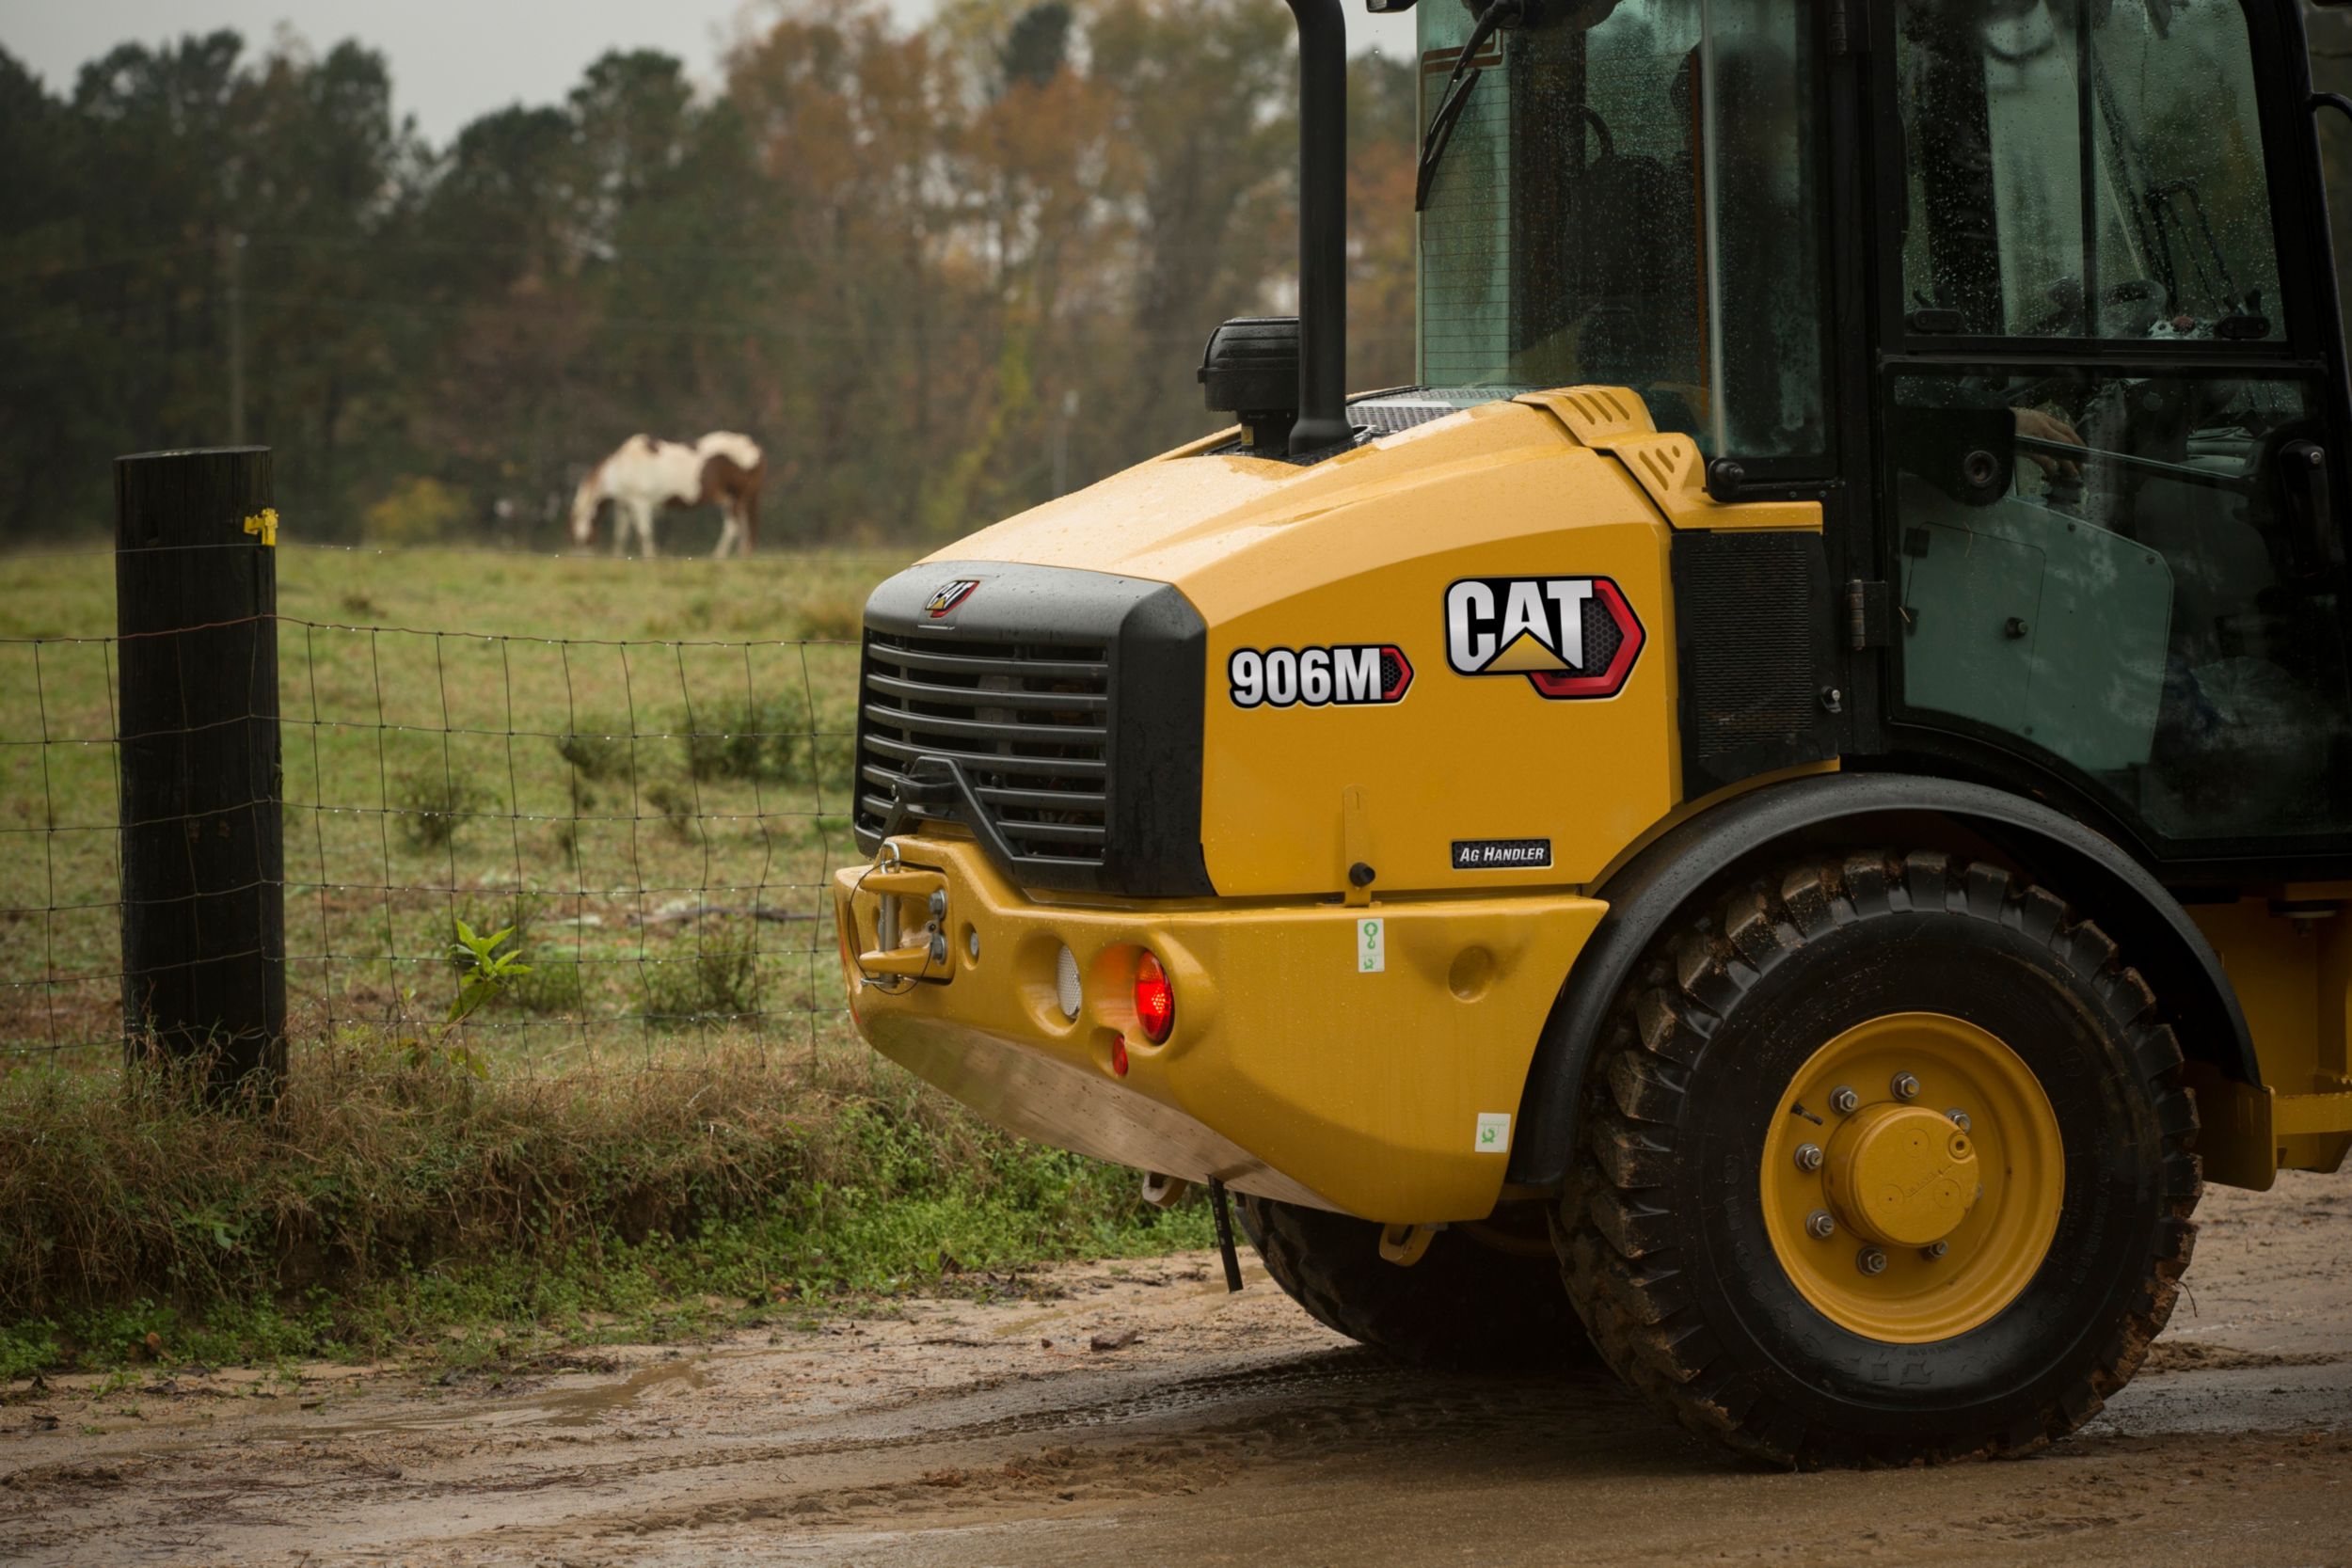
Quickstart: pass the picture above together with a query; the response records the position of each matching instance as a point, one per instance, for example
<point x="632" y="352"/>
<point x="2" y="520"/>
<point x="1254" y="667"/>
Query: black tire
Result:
<point x="1660" y="1228"/>
<point x="1467" y="1304"/>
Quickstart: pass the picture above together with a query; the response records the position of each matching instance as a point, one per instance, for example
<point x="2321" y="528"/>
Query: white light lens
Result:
<point x="1066" y="981"/>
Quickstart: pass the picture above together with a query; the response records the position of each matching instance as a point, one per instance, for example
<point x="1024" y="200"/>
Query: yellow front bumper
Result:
<point x="1292" y="1070"/>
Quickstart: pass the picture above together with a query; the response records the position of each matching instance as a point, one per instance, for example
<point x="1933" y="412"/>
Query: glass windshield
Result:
<point x="1630" y="199"/>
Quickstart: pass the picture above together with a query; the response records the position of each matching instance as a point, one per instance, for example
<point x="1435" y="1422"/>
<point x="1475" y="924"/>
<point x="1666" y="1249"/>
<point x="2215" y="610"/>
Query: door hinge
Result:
<point x="1870" y="615"/>
<point x="1849" y="28"/>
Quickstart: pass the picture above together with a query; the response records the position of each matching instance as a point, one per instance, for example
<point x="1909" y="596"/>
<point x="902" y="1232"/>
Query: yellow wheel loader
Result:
<point x="1776" y="815"/>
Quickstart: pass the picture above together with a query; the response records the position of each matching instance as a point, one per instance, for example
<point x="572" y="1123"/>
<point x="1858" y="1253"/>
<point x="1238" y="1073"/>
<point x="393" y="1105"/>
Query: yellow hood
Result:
<point x="1233" y="533"/>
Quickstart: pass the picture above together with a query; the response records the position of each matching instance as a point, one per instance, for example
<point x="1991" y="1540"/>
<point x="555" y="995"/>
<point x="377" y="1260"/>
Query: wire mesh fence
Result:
<point x="657" y="819"/>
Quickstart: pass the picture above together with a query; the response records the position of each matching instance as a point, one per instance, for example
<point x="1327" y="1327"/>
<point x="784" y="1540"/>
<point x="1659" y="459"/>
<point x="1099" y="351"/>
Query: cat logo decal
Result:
<point x="1571" y="637"/>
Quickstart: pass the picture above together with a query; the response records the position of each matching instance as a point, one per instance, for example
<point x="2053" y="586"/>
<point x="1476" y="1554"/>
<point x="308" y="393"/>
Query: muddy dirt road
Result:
<point x="1205" y="1430"/>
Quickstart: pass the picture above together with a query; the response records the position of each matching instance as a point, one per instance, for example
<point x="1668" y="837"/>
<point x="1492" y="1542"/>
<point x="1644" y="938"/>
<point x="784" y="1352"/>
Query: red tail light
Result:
<point x="1156" y="999"/>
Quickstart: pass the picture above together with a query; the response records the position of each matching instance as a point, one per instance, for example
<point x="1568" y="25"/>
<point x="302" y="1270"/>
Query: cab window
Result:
<point x="2087" y="169"/>
<point x="2124" y="573"/>
<point x="2124" y="567"/>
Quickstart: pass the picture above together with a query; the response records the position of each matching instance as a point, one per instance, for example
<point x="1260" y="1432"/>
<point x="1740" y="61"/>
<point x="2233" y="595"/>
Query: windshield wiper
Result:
<point x="1455" y="98"/>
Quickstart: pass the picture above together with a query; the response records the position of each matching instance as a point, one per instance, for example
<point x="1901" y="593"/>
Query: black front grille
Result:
<point x="1026" y="723"/>
<point x="1055" y="712"/>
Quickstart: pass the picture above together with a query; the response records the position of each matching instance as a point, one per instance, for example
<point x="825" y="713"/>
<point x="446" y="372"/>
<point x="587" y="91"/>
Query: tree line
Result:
<point x="938" y="271"/>
<point x="941" y="272"/>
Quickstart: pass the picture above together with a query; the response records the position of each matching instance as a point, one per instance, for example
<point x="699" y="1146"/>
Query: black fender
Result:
<point x="1698" y="858"/>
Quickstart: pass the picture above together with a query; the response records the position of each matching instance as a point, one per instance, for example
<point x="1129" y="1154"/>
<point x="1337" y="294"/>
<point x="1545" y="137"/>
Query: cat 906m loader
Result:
<point x="1780" y="806"/>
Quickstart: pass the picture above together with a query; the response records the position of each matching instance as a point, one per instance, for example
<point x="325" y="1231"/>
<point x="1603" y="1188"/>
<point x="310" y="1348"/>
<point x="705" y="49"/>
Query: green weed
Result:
<point x="598" y="755"/>
<point x="717" y="982"/>
<point x="674" y="805"/>
<point x="553" y="987"/>
<point x="767" y="741"/>
<point x="432" y="805"/>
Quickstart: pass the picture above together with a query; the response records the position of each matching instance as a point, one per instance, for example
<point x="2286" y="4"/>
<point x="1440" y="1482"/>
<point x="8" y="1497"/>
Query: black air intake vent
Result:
<point x="1752" y="633"/>
<point x="1026" y="723"/>
<point x="1394" y="419"/>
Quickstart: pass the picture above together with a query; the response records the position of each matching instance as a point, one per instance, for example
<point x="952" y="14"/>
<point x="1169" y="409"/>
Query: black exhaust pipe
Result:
<point x="1322" y="226"/>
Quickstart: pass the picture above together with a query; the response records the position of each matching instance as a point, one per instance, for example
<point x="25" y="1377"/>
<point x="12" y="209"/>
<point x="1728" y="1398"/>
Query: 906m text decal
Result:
<point x="1350" y="675"/>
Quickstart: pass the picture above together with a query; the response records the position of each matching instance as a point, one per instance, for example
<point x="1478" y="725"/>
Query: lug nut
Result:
<point x="1819" y="1225"/>
<point x="1935" y="1250"/>
<point x="972" y="943"/>
<point x="1843" y="1100"/>
<point x="1870" y="1260"/>
<point x="1960" y="1119"/>
<point x="938" y="947"/>
<point x="1809" y="1157"/>
<point x="1905" y="1086"/>
<point x="939" y="903"/>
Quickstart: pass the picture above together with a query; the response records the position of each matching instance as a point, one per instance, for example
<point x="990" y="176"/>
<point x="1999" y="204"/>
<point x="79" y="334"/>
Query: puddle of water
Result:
<point x="581" y="1407"/>
<point x="562" y="1407"/>
<point x="2232" y="1400"/>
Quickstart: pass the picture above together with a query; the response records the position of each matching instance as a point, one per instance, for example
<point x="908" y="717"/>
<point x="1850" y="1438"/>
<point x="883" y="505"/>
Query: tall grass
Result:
<point x="383" y="1199"/>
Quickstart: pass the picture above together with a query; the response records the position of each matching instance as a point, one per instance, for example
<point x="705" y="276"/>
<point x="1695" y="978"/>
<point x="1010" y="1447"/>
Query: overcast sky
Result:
<point x="451" y="59"/>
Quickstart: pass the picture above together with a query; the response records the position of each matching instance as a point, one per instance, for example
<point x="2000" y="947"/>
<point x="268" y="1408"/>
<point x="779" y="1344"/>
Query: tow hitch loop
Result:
<point x="899" y="957"/>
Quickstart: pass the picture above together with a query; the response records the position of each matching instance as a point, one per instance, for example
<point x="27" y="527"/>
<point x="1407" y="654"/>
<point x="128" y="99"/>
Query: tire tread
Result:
<point x="1463" y="1304"/>
<point x="1610" y="1230"/>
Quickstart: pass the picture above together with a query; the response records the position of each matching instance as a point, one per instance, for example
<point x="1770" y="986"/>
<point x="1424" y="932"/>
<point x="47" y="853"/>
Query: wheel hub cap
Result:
<point x="1936" y="1192"/>
<point x="1901" y="1175"/>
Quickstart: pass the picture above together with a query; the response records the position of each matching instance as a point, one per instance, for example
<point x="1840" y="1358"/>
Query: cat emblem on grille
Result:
<point x="942" y="603"/>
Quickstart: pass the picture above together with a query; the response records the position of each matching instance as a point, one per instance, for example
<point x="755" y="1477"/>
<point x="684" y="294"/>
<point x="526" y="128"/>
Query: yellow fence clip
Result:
<point x="265" y="523"/>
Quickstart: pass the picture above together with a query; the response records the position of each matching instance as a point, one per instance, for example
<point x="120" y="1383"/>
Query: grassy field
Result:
<point x="665" y="1127"/>
<point x="644" y="764"/>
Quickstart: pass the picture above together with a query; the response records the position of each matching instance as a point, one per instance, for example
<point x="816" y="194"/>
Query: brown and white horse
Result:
<point x="644" y="476"/>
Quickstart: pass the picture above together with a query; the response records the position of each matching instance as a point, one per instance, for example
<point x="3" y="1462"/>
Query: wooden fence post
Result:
<point x="203" y="854"/>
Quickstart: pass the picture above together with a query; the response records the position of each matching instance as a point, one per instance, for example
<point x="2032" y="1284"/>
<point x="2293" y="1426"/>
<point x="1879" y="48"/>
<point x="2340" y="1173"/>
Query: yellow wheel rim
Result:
<point x="1913" y="1178"/>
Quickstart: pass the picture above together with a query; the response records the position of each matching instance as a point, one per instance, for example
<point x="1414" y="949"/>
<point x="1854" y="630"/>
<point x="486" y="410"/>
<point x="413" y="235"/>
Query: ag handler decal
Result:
<point x="1502" y="854"/>
<point x="1359" y="675"/>
<point x="1570" y="636"/>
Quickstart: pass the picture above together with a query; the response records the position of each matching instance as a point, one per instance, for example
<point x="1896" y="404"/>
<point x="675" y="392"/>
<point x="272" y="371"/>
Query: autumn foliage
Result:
<point x="940" y="271"/>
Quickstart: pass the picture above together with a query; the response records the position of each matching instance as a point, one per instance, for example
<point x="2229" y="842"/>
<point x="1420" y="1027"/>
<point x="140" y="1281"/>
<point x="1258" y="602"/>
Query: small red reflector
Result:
<point x="1156" y="999"/>
<point x="1119" y="1055"/>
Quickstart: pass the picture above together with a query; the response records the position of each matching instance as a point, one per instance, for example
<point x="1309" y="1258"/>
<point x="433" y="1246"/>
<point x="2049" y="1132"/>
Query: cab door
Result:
<point x="2110" y="424"/>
